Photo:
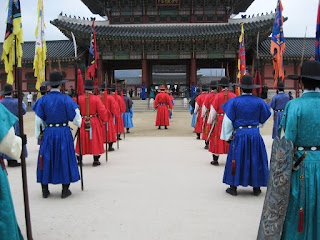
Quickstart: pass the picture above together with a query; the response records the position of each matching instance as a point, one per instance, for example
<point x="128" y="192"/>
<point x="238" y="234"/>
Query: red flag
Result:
<point x="257" y="81"/>
<point x="93" y="57"/>
<point x="80" y="87"/>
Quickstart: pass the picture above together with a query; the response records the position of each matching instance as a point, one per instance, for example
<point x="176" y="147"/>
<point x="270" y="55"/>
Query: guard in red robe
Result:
<point x="206" y="111"/>
<point x="218" y="146"/>
<point x="114" y="111"/>
<point x="91" y="131"/>
<point x="198" y="110"/>
<point x="119" y="119"/>
<point x="162" y="103"/>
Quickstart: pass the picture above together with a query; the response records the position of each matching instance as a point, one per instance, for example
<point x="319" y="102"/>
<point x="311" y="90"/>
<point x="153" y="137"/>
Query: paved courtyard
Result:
<point x="158" y="185"/>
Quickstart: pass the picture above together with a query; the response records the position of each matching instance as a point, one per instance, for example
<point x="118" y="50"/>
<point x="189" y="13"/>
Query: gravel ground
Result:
<point x="158" y="185"/>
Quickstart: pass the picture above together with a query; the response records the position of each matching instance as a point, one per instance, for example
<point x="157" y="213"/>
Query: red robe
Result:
<point x="199" y="122"/>
<point x="113" y="110"/>
<point x="207" y="102"/>
<point x="217" y="145"/>
<point x="161" y="103"/>
<point x="122" y="106"/>
<point x="92" y="146"/>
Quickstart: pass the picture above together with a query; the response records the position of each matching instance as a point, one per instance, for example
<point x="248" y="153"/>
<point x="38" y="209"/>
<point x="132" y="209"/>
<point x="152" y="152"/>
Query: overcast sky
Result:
<point x="300" y="13"/>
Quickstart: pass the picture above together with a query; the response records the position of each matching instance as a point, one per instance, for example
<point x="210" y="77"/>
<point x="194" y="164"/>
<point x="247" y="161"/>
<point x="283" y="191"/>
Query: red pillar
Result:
<point x="193" y="71"/>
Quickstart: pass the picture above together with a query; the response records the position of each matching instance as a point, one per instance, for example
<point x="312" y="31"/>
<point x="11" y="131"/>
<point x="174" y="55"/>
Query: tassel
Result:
<point x="41" y="163"/>
<point x="300" y="223"/>
<point x="233" y="172"/>
<point x="90" y="133"/>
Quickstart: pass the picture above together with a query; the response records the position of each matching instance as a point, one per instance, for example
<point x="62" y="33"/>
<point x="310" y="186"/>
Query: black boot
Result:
<point x="256" y="191"/>
<point x="119" y="138"/>
<point x="206" y="147"/>
<point x="110" y="147"/>
<point x="215" y="160"/>
<point x="45" y="191"/>
<point x="65" y="191"/>
<point x="198" y="136"/>
<point x="159" y="127"/>
<point x="232" y="190"/>
<point x="78" y="159"/>
<point x="96" y="161"/>
<point x="165" y="127"/>
<point x="13" y="163"/>
<point x="128" y="130"/>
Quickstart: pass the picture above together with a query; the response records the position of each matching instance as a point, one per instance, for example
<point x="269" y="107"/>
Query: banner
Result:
<point x="241" y="59"/>
<point x="93" y="57"/>
<point x="13" y="39"/>
<point x="278" y="45"/>
<point x="40" y="56"/>
<point x="317" y="58"/>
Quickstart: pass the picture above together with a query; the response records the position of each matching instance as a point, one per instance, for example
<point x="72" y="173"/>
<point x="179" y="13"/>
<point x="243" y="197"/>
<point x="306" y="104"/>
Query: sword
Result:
<point x="297" y="163"/>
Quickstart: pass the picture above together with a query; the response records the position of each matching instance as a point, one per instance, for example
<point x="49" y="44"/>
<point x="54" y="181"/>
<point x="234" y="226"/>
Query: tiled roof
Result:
<point x="63" y="49"/>
<point x="293" y="49"/>
<point x="163" y="31"/>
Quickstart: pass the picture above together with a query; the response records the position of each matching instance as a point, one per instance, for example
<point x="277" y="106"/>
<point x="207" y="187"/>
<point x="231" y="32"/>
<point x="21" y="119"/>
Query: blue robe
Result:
<point x="249" y="151"/>
<point x="278" y="102"/>
<point x="57" y="145"/>
<point x="301" y="125"/>
<point x="194" y="116"/>
<point x="128" y="114"/>
<point x="143" y="94"/>
<point x="193" y="91"/>
<point x="9" y="228"/>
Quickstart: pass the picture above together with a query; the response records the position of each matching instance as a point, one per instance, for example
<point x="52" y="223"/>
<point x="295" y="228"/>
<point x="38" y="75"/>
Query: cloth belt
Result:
<point x="279" y="110"/>
<point x="58" y="125"/>
<point x="163" y="104"/>
<point x="242" y="127"/>
<point x="95" y="115"/>
<point x="308" y="148"/>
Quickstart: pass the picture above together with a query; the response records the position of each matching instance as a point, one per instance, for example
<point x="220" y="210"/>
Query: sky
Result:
<point x="300" y="13"/>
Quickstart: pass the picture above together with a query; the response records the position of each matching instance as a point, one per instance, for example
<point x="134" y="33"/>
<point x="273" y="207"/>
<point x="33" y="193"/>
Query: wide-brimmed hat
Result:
<point x="43" y="90"/>
<point x="205" y="87"/>
<point x="247" y="82"/>
<point x="224" y="82"/>
<point x="309" y="69"/>
<point x="280" y="85"/>
<point x="213" y="84"/>
<point x="88" y="84"/>
<point x="7" y="88"/>
<point x="162" y="87"/>
<point x="109" y="87"/>
<point x="55" y="79"/>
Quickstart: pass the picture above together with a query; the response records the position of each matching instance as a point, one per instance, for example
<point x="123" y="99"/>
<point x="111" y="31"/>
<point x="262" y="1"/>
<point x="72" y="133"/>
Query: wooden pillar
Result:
<point x="193" y="71"/>
<point x="144" y="78"/>
<point x="149" y="83"/>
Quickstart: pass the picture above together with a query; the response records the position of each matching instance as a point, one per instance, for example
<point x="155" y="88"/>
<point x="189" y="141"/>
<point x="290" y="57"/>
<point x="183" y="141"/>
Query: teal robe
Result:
<point x="301" y="123"/>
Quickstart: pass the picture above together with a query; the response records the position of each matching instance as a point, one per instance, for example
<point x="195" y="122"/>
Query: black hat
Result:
<point x="55" y="79"/>
<point x="88" y="84"/>
<point x="247" y="82"/>
<point x="7" y="88"/>
<point x="224" y="82"/>
<point x="213" y="84"/>
<point x="205" y="87"/>
<point x="43" y="90"/>
<point x="280" y="85"/>
<point x="198" y="91"/>
<point x="309" y="69"/>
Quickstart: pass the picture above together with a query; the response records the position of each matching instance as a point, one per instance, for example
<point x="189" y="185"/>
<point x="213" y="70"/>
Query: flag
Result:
<point x="257" y="81"/>
<point x="80" y="87"/>
<point x="278" y="45"/>
<point x="93" y="56"/>
<point x="241" y="59"/>
<point x="40" y="55"/>
<point x="318" y="35"/>
<point x="13" y="32"/>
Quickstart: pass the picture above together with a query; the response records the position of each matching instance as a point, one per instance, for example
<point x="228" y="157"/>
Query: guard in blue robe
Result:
<point x="128" y="114"/>
<point x="193" y="90"/>
<point x="192" y="104"/>
<point x="143" y="94"/>
<point x="57" y="162"/>
<point x="247" y="161"/>
<point x="10" y="145"/>
<point x="277" y="104"/>
<point x="12" y="105"/>
<point x="301" y="125"/>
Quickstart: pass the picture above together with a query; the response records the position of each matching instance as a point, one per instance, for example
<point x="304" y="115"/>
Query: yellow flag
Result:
<point x="13" y="39"/>
<point x="40" y="56"/>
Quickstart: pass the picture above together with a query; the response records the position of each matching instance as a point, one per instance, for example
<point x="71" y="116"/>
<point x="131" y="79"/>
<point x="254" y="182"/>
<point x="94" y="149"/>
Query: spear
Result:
<point x="77" y="96"/>
<point x="302" y="56"/>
